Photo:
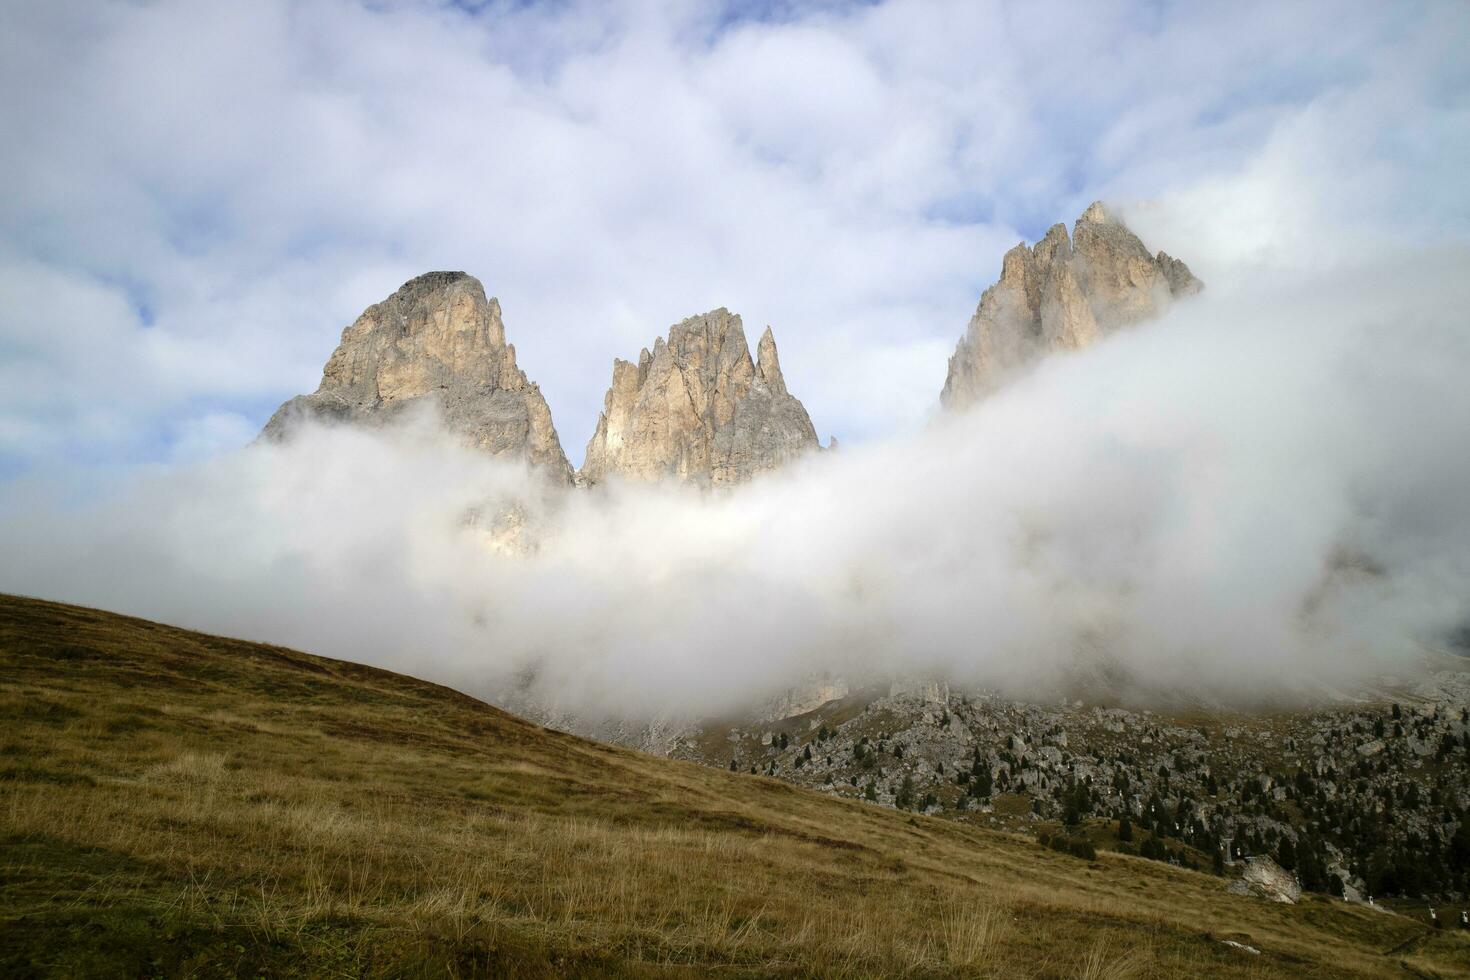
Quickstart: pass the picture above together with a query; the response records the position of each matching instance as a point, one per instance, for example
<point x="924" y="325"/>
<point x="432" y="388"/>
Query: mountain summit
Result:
<point x="1062" y="294"/>
<point x="699" y="409"/>
<point x="436" y="339"/>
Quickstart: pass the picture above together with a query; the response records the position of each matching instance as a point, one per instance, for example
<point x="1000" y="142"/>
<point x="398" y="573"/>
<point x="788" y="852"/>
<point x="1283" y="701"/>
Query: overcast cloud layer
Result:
<point x="1263" y="490"/>
<point x="200" y="195"/>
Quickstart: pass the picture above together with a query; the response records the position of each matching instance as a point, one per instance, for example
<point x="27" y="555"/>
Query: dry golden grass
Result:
<point x="174" y="804"/>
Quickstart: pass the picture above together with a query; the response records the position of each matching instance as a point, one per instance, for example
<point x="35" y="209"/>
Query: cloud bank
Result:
<point x="200" y="194"/>
<point x="1262" y="492"/>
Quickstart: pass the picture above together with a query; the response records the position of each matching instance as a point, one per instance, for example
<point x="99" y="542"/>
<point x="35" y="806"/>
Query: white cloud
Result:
<point x="253" y="176"/>
<point x="1258" y="495"/>
<point x="201" y="194"/>
<point x="211" y="434"/>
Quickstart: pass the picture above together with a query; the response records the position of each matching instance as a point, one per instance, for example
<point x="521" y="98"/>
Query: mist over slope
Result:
<point x="1263" y="490"/>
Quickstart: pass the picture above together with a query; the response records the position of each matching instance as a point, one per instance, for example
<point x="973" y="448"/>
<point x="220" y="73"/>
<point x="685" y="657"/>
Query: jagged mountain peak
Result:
<point x="1061" y="294"/>
<point x="699" y="409"/>
<point x="438" y="338"/>
<point x="1096" y="214"/>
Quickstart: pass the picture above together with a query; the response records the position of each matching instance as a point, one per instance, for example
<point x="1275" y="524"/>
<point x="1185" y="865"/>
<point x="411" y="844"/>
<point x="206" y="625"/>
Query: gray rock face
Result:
<point x="813" y="692"/>
<point x="1062" y="294"/>
<point x="1264" y="878"/>
<point x="436" y="339"/>
<point x="699" y="409"/>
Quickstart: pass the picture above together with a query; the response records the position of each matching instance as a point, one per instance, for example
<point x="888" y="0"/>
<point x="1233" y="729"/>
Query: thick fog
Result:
<point x="1267" y="490"/>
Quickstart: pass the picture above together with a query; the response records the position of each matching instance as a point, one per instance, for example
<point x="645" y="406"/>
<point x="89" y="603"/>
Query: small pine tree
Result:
<point x="905" y="796"/>
<point x="1286" y="854"/>
<point x="1125" y="829"/>
<point x="871" y="793"/>
<point x="732" y="763"/>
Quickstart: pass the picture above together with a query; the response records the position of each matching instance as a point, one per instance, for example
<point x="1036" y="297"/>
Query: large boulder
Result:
<point x="1264" y="878"/>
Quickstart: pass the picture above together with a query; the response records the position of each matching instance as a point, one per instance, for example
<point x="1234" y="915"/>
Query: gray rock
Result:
<point x="1264" y="878"/>
<point x="698" y="409"/>
<point x="1062" y="294"/>
<point x="813" y="692"/>
<point x="436" y="340"/>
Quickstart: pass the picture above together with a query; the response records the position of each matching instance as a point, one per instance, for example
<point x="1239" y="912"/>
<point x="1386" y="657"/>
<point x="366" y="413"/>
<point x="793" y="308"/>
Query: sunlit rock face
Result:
<point x="437" y="339"/>
<point x="1264" y="878"/>
<point x="698" y="409"/>
<point x="1061" y="294"/>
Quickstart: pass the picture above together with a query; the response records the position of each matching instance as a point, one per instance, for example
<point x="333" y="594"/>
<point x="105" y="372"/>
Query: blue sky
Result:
<point x="201" y="195"/>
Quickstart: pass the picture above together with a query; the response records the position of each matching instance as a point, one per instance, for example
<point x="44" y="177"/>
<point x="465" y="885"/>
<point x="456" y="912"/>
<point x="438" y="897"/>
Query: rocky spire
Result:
<point x="698" y="409"/>
<point x="768" y="365"/>
<point x="1062" y="294"/>
<point x="436" y="339"/>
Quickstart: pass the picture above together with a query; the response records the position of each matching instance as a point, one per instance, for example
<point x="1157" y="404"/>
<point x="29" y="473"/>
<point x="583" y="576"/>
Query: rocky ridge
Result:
<point x="1062" y="294"/>
<point x="437" y="340"/>
<point x="1368" y="798"/>
<point x="698" y="409"/>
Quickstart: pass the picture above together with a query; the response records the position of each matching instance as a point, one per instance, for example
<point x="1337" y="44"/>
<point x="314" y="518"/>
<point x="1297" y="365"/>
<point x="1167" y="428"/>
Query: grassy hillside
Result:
<point x="174" y="804"/>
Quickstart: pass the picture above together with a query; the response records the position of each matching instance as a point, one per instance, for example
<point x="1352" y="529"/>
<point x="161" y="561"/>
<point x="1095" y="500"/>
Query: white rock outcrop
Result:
<point x="808" y="695"/>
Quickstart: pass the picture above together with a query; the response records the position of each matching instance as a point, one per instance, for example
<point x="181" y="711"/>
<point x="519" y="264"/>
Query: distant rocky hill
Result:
<point x="437" y="339"/>
<point x="699" y="409"/>
<point x="1364" y="797"/>
<point x="1062" y="294"/>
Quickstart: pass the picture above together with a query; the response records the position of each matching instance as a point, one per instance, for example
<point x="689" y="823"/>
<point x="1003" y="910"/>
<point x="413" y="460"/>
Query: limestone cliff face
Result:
<point x="699" y="409"/>
<point x="436" y="339"/>
<point x="1062" y="294"/>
